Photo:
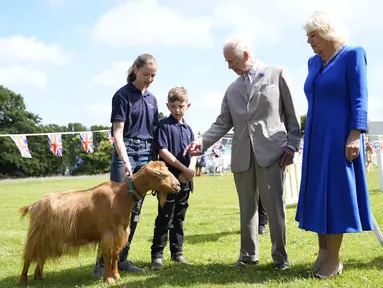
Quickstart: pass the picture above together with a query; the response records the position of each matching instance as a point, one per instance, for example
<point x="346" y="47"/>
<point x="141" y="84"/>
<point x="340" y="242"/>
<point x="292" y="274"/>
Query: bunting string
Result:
<point x="55" y="141"/>
<point x="42" y="134"/>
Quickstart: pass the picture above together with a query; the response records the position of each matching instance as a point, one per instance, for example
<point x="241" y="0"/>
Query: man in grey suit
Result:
<point x="259" y="106"/>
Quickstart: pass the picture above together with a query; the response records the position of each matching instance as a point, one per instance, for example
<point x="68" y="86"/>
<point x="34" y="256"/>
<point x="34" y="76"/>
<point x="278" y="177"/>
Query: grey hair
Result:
<point x="140" y="62"/>
<point x="239" y="46"/>
<point x="329" y="28"/>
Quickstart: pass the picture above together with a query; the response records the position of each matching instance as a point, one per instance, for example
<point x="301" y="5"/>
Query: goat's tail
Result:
<point x="24" y="210"/>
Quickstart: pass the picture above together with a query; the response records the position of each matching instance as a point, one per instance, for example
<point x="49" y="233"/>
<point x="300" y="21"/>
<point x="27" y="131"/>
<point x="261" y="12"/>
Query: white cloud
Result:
<point x="194" y="25"/>
<point x="19" y="48"/>
<point x="271" y="20"/>
<point x="358" y="18"/>
<point x="250" y="24"/>
<point x="146" y="22"/>
<point x="15" y="77"/>
<point x="210" y="100"/>
<point x="166" y="23"/>
<point x="105" y="83"/>
<point x="113" y="76"/>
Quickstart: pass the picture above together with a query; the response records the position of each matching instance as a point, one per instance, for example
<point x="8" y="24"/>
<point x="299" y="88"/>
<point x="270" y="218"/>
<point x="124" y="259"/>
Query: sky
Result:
<point x="67" y="57"/>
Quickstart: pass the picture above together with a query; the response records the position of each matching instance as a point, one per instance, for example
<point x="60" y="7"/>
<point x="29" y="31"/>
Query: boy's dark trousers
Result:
<point x="170" y="220"/>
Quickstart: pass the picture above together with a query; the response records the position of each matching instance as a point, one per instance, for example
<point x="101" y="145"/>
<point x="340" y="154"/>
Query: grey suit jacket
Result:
<point x="264" y="122"/>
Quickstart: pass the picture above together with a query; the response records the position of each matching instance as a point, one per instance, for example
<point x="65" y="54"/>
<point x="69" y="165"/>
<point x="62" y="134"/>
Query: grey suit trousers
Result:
<point x="266" y="183"/>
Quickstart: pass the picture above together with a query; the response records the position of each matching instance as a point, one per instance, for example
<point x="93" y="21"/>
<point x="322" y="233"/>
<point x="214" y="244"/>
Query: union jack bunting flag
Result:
<point x="374" y="146"/>
<point x="55" y="144"/>
<point x="22" y="143"/>
<point x="110" y="137"/>
<point x="86" y="139"/>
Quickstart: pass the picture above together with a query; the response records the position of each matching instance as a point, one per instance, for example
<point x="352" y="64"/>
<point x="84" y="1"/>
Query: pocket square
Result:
<point x="267" y="85"/>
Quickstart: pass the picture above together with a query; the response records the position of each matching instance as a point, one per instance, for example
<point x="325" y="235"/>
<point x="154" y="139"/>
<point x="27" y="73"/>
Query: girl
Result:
<point x="134" y="116"/>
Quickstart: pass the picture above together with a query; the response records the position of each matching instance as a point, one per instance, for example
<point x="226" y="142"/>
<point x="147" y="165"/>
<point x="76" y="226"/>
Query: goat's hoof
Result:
<point x="38" y="277"/>
<point x="116" y="276"/>
<point x="23" y="281"/>
<point x="109" y="280"/>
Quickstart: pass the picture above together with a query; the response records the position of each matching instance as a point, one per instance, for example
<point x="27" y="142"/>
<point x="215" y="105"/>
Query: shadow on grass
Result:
<point x="211" y="237"/>
<point x="216" y="274"/>
<point x="74" y="277"/>
<point x="173" y="275"/>
<point x="376" y="263"/>
<point x="179" y="275"/>
<point x="202" y="238"/>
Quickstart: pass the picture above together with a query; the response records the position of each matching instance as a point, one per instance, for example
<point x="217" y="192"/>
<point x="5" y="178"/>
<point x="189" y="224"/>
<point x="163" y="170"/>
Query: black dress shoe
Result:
<point x="241" y="263"/>
<point x="282" y="267"/>
<point x="262" y="229"/>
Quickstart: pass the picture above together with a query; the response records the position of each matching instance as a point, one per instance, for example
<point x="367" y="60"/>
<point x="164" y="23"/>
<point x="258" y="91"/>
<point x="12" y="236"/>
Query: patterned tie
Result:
<point x="247" y="83"/>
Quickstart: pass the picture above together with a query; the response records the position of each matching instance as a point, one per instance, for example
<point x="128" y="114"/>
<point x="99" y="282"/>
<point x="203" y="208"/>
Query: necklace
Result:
<point x="332" y="56"/>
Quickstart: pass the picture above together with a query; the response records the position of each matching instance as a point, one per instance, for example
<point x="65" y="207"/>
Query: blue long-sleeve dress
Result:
<point x="333" y="195"/>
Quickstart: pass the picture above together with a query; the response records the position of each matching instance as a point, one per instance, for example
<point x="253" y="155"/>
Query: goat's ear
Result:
<point x="159" y="173"/>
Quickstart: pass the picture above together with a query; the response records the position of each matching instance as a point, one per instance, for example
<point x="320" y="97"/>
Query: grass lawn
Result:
<point x="211" y="242"/>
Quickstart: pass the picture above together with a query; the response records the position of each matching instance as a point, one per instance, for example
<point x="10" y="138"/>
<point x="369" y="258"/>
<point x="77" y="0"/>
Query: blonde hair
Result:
<point x="178" y="94"/>
<point x="329" y="28"/>
<point x="140" y="62"/>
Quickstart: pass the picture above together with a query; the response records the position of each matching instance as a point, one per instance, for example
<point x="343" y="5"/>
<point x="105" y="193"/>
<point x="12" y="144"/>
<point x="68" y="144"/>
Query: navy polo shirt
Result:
<point x="174" y="136"/>
<point x="139" y="112"/>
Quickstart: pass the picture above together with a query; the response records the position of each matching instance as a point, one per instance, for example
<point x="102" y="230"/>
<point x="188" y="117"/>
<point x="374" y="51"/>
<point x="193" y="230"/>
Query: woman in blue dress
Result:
<point x="333" y="197"/>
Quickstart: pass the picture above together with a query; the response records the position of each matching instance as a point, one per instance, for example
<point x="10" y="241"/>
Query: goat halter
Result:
<point x="132" y="190"/>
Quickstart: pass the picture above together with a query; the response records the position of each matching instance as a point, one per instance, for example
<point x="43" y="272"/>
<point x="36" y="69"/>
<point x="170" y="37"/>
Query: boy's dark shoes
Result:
<point x="181" y="259"/>
<point x="157" y="264"/>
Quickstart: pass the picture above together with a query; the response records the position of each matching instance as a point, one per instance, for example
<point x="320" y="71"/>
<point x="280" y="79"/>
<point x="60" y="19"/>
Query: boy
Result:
<point x="173" y="136"/>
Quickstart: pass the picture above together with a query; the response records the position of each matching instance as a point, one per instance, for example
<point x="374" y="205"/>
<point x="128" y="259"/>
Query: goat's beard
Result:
<point x="162" y="198"/>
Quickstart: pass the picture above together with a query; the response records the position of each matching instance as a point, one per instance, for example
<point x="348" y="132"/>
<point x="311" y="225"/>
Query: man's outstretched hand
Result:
<point x="194" y="148"/>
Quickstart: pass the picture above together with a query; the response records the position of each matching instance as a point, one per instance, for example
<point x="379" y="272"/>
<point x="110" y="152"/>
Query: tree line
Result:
<point x="16" y="119"/>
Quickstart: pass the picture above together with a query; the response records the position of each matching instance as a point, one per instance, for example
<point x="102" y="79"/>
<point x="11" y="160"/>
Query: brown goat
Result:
<point x="61" y="222"/>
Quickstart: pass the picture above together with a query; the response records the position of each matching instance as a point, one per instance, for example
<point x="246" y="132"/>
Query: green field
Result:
<point x="211" y="242"/>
